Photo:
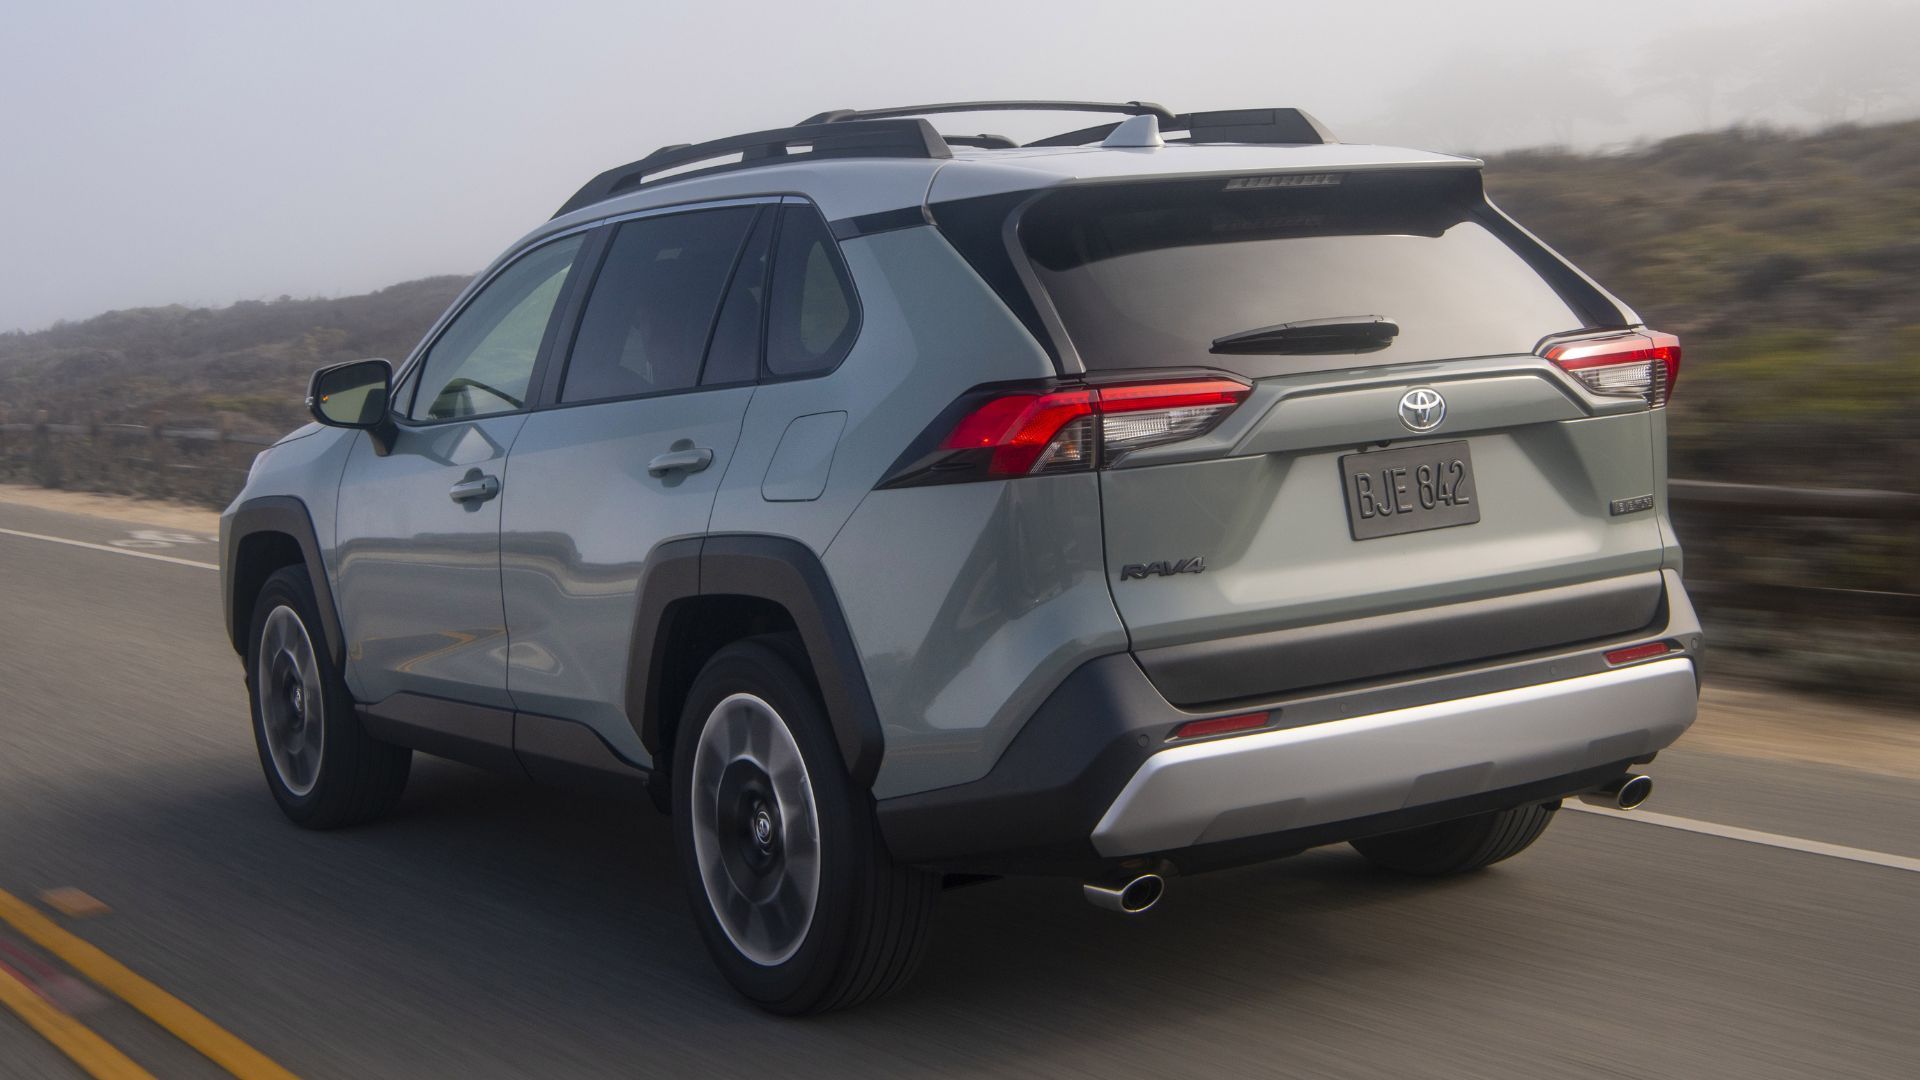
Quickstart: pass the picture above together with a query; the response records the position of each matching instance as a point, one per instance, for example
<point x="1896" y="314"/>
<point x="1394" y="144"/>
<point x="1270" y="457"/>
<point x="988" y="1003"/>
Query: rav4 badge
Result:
<point x="1140" y="571"/>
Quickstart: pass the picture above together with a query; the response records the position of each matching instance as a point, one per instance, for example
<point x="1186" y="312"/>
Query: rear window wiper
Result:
<point x="1344" y="333"/>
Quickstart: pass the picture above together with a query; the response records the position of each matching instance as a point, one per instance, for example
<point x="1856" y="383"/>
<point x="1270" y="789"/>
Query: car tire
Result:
<point x="323" y="768"/>
<point x="792" y="887"/>
<point x="1455" y="847"/>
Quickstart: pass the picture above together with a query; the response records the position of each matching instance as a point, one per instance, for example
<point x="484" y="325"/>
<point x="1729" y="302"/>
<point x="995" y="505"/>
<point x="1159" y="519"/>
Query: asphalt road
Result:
<point x="498" y="929"/>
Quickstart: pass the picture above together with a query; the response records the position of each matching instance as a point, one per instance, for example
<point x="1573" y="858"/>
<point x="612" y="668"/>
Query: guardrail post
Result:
<point x="97" y="475"/>
<point x="45" y="468"/>
<point x="159" y="455"/>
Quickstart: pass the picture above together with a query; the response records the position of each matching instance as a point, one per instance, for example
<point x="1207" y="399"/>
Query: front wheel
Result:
<point x="323" y="768"/>
<point x="794" y="892"/>
<point x="1455" y="847"/>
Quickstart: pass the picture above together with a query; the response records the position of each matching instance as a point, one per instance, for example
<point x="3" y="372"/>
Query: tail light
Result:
<point x="1135" y="417"/>
<point x="1022" y="434"/>
<point x="1642" y="364"/>
<point x="1031" y="432"/>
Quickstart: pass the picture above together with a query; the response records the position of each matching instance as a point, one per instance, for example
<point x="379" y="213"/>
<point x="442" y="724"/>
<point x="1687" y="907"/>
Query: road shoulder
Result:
<point x="154" y="512"/>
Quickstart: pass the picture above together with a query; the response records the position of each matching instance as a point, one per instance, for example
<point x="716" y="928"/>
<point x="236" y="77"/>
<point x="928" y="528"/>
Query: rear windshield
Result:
<point x="1149" y="275"/>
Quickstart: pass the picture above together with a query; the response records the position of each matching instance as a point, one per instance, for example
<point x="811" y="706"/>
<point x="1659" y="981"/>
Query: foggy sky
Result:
<point x="201" y="153"/>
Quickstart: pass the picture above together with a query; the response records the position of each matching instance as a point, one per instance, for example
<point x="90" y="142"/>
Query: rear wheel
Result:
<point x="794" y="892"/>
<point x="1455" y="847"/>
<point x="324" y="770"/>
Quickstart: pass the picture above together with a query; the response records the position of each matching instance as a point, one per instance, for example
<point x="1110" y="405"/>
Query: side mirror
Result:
<point x="355" y="395"/>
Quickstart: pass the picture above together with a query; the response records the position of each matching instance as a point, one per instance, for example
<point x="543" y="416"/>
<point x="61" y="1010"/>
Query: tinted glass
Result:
<point x="811" y="323"/>
<point x="1148" y="275"/>
<point x="646" y="324"/>
<point x="734" y="354"/>
<point x="483" y="363"/>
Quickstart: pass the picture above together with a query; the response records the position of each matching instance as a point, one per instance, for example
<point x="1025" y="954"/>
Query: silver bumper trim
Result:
<point x="1250" y="785"/>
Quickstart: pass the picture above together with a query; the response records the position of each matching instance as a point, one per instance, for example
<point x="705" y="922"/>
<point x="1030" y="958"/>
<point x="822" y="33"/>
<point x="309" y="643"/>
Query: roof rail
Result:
<point x="860" y="138"/>
<point x="1125" y="108"/>
<point x="1289" y="126"/>
<point x="983" y="142"/>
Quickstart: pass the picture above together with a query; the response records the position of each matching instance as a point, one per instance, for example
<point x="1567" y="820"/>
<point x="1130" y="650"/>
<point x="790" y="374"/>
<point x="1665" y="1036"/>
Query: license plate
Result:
<point x="1409" y="490"/>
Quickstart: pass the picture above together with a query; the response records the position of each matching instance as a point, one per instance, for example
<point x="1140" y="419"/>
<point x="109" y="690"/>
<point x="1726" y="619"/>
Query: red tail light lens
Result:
<point x="1029" y="433"/>
<point x="1072" y="429"/>
<point x="1643" y="364"/>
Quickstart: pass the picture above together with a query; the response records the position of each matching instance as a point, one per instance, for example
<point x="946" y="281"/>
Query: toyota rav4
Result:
<point x="896" y="508"/>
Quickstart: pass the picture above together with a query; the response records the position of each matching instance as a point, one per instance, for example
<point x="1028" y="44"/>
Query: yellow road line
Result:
<point x="76" y="1040"/>
<point x="187" y="1024"/>
<point x="74" y="903"/>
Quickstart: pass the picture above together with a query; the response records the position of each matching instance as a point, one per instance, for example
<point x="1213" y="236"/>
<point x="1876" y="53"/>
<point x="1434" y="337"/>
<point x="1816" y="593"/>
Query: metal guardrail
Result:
<point x="1712" y="497"/>
<point x="203" y="464"/>
<point x="1746" y="502"/>
<point x="139" y="431"/>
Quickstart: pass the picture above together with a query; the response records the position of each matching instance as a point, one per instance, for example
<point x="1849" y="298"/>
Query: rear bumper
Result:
<point x="1278" y="781"/>
<point x="1091" y="781"/>
<point x="1279" y="661"/>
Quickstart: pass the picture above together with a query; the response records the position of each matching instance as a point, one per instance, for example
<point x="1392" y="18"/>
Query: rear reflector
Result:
<point x="1220" y="725"/>
<point x="1643" y="364"/>
<point x="1638" y="652"/>
<point x="1067" y="429"/>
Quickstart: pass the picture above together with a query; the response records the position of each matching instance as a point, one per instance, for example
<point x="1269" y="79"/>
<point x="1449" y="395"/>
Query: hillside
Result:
<point x="1789" y="265"/>
<point x="1790" y="268"/>
<point x="246" y="364"/>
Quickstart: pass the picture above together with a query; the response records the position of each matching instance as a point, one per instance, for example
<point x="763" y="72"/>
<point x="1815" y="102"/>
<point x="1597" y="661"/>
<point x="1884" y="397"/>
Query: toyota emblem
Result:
<point x="1422" y="409"/>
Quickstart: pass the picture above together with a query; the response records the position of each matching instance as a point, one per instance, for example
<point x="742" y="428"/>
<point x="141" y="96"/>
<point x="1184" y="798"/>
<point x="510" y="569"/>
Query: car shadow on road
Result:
<point x="565" y="922"/>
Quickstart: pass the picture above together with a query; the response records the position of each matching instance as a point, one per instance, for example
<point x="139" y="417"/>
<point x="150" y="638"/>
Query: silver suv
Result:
<point x="897" y="508"/>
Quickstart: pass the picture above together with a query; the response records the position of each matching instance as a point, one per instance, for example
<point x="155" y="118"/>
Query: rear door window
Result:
<point x="1150" y="275"/>
<point x="734" y="354"/>
<point x="651" y="313"/>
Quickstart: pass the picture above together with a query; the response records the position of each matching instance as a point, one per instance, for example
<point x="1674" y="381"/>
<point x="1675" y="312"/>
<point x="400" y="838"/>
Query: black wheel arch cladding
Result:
<point x="240" y="582"/>
<point x="780" y="571"/>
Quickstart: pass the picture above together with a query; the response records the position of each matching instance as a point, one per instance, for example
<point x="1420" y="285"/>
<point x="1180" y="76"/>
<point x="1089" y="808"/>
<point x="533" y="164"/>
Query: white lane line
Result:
<point x="1755" y="836"/>
<point x="109" y="549"/>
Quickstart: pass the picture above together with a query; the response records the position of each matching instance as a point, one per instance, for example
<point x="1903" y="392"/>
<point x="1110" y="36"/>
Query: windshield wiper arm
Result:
<point x="1344" y="333"/>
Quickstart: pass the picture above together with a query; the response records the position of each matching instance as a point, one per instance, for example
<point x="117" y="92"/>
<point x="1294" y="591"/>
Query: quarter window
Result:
<point x="483" y="362"/>
<point x="812" y="322"/>
<point x="650" y="315"/>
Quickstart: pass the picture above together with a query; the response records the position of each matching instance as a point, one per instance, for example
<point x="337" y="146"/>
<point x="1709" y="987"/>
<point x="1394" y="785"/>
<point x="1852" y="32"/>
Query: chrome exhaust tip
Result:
<point x="1624" y="793"/>
<point x="1128" y="896"/>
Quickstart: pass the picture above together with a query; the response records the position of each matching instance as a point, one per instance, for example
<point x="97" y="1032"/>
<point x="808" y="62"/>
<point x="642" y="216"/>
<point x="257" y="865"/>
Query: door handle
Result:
<point x="680" y="461"/>
<point x="479" y="488"/>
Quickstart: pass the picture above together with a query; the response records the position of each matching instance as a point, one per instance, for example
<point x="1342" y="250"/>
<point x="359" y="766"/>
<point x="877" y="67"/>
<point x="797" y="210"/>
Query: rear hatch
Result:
<point x="1407" y="482"/>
